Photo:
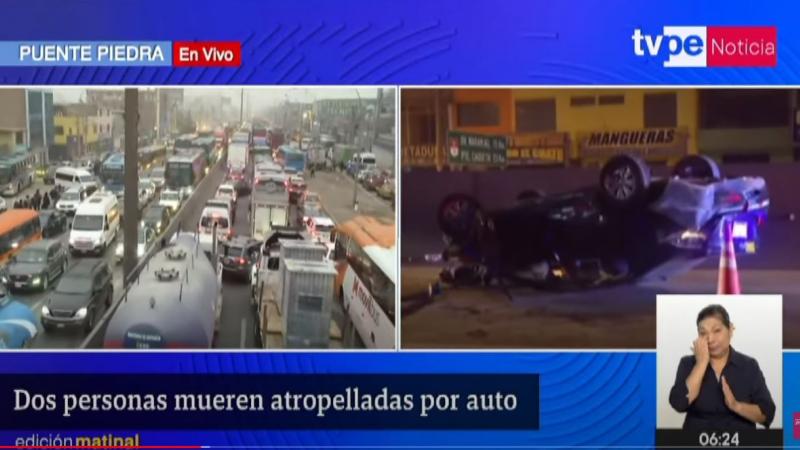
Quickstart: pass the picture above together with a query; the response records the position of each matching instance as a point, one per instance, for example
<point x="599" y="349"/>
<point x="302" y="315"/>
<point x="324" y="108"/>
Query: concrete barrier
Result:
<point x="204" y="190"/>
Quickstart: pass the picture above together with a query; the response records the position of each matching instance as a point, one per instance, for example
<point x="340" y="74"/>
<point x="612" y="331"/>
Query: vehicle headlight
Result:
<point x="45" y="310"/>
<point x="4" y="279"/>
<point x="37" y="281"/>
<point x="120" y="249"/>
<point x="81" y="313"/>
<point x="139" y="251"/>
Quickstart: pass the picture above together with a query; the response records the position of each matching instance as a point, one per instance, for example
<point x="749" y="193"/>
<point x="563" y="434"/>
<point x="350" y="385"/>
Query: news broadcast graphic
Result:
<point x="358" y="224"/>
<point x="725" y="376"/>
<point x="235" y="224"/>
<point x="357" y="42"/>
<point x="528" y="396"/>
<point x="553" y="218"/>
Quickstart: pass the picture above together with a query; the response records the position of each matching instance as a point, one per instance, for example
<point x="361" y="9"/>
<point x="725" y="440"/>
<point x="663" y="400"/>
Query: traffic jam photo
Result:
<point x="223" y="218"/>
<point x="544" y="218"/>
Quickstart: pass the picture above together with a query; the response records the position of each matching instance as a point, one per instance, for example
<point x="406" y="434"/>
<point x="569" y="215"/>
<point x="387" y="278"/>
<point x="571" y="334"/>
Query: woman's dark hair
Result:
<point x="717" y="311"/>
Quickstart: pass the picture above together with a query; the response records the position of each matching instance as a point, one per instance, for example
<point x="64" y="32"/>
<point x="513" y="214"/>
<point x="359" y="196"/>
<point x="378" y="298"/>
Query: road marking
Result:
<point x="37" y="305"/>
<point x="243" y="335"/>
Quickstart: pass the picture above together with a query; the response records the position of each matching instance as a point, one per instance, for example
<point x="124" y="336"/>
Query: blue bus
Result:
<point x="292" y="159"/>
<point x="112" y="171"/>
<point x="185" y="171"/>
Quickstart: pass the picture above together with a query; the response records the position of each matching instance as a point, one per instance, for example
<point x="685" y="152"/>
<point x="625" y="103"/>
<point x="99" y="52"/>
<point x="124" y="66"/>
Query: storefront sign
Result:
<point x="537" y="149"/>
<point x="420" y="155"/>
<point x="651" y="143"/>
<point x="476" y="149"/>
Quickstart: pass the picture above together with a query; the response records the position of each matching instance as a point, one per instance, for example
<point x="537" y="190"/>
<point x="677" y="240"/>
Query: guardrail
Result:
<point x="204" y="190"/>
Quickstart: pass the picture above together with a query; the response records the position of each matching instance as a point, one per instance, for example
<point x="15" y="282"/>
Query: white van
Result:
<point x="213" y="216"/>
<point x="96" y="224"/>
<point x="366" y="160"/>
<point x="69" y="200"/>
<point x="70" y="177"/>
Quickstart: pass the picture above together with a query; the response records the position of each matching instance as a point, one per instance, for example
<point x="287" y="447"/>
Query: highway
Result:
<point x="72" y="338"/>
<point x="237" y="327"/>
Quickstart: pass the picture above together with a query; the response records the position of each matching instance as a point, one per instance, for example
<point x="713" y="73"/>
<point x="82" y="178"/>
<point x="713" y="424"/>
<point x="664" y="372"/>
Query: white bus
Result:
<point x="365" y="256"/>
<point x="70" y="177"/>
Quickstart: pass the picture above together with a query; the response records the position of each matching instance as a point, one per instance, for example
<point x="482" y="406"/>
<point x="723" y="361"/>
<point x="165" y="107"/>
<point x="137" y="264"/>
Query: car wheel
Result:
<point x="109" y="298"/>
<point x="696" y="166"/>
<point x="47" y="327"/>
<point x="461" y="218"/>
<point x="624" y="180"/>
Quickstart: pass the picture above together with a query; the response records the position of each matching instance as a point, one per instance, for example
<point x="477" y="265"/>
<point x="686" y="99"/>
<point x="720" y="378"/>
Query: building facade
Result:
<point x="587" y="126"/>
<point x="82" y="130"/>
<point x="26" y="122"/>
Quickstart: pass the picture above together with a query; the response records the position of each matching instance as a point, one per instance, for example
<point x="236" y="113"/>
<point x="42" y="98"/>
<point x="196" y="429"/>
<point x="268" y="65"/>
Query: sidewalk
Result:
<point x="336" y="191"/>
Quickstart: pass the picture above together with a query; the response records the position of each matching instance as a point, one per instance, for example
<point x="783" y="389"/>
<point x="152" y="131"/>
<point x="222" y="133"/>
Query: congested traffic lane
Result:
<point x="73" y="338"/>
<point x="237" y="324"/>
<point x="64" y="338"/>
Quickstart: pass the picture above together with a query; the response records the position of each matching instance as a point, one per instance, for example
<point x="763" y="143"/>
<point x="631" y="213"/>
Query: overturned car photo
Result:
<point x="554" y="218"/>
<point x="630" y="226"/>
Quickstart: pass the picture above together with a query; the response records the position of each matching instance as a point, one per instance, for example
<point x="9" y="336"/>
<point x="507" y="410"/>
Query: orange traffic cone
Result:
<point x="728" y="281"/>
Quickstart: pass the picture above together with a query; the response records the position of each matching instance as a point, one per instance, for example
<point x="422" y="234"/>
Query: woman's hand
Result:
<point x="700" y="350"/>
<point x="749" y="411"/>
<point x="730" y="399"/>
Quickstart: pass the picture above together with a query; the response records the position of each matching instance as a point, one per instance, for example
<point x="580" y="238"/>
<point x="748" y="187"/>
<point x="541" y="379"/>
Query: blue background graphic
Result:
<point x="400" y="42"/>
<point x="586" y="398"/>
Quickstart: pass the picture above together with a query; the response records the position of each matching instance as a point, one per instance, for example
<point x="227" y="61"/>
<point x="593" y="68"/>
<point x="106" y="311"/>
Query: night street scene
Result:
<point x="552" y="218"/>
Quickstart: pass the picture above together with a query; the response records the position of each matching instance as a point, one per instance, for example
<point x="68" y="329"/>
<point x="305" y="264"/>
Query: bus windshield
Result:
<point x="180" y="175"/>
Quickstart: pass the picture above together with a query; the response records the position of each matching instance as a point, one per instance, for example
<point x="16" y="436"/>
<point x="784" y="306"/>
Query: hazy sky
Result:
<point x="260" y="96"/>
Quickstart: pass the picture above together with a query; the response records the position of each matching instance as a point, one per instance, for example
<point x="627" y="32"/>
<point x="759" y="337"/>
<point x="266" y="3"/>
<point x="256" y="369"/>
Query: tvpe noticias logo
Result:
<point x="710" y="46"/>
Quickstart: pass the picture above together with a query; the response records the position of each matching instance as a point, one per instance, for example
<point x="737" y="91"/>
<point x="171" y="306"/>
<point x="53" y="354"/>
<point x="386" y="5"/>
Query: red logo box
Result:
<point x="742" y="46"/>
<point x="206" y="54"/>
<point x="796" y="425"/>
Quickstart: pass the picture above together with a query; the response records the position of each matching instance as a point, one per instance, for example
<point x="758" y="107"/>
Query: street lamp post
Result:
<point x="355" y="176"/>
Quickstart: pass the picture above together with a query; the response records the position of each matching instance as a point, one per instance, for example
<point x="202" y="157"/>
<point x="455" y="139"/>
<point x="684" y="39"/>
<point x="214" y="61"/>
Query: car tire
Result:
<point x="47" y="327"/>
<point x="64" y="267"/>
<point x="109" y="297"/>
<point x="461" y="218"/>
<point x="696" y="166"/>
<point x="624" y="180"/>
